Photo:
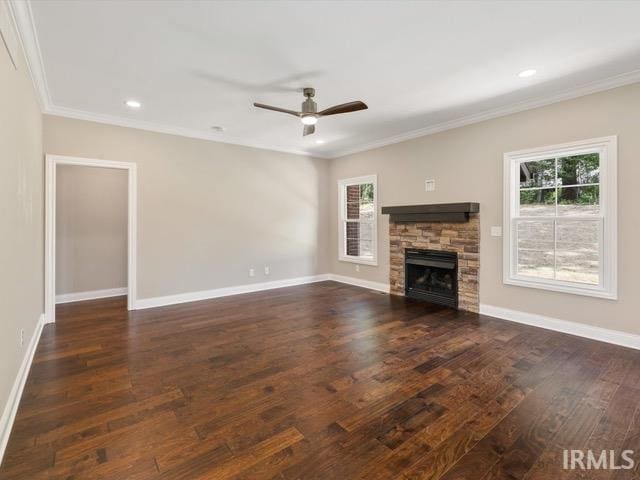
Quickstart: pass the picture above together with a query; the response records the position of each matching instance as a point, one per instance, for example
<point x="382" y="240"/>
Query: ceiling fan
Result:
<point x="309" y="115"/>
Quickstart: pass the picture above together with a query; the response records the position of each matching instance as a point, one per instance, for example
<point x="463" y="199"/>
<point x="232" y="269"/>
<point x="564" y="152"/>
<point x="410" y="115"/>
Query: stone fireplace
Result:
<point x="417" y="233"/>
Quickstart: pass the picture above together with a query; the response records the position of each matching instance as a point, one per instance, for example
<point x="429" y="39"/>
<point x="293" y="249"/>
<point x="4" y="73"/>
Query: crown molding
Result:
<point x="580" y="91"/>
<point x="587" y="89"/>
<point x="171" y="130"/>
<point x="24" y="23"/>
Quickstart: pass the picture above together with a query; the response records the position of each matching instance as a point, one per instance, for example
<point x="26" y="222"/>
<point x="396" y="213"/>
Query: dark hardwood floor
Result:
<point x="322" y="381"/>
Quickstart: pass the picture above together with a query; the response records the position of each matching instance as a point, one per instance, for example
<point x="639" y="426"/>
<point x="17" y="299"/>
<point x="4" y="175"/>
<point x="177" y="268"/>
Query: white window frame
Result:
<point x="607" y="147"/>
<point x="342" y="217"/>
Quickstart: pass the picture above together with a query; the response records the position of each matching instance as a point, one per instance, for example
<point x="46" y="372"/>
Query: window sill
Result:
<point x="562" y="288"/>
<point x="361" y="261"/>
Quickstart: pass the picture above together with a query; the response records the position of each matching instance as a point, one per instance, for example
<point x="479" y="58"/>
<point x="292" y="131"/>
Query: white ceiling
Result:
<point x="420" y="66"/>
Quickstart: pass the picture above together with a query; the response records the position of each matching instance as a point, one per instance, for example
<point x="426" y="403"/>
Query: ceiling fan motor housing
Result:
<point x="309" y="106"/>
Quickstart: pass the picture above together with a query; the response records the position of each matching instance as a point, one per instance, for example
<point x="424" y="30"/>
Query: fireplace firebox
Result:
<point x="432" y="275"/>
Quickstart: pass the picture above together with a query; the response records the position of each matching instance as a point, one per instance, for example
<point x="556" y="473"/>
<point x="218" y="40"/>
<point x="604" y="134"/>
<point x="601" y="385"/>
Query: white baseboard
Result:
<point x="92" y="295"/>
<point x="358" y="282"/>
<point x="225" y="292"/>
<point x="11" y="407"/>
<point x="581" y="330"/>
<point x="153" y="302"/>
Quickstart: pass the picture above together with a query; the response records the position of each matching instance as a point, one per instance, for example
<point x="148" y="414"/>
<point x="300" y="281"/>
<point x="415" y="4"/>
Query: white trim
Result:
<point x="25" y="27"/>
<point x="153" y="302"/>
<point x="11" y="407"/>
<point x="22" y="17"/>
<point x="342" y="185"/>
<point x="90" y="295"/>
<point x="358" y="282"/>
<point x="570" y="147"/>
<point x="24" y="24"/>
<point x="358" y="260"/>
<point x="52" y="161"/>
<point x="9" y="39"/>
<point x="49" y="241"/>
<point x="588" y="89"/>
<point x="607" y="147"/>
<point x="615" y="337"/>
<point x="132" y="237"/>
<point x="580" y="91"/>
<point x="172" y="130"/>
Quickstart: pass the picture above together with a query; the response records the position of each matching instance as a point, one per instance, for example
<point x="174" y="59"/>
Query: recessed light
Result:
<point x="319" y="142"/>
<point x="529" y="72"/>
<point x="217" y="128"/>
<point x="133" y="104"/>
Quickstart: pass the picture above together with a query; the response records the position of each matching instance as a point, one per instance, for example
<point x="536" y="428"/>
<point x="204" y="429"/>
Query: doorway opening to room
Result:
<point x="90" y="238"/>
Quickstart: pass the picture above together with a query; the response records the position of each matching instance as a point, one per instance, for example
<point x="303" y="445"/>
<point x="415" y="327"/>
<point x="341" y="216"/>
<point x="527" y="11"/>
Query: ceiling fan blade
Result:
<point x="308" y="130"/>
<point x="343" y="108"/>
<point x="277" y="109"/>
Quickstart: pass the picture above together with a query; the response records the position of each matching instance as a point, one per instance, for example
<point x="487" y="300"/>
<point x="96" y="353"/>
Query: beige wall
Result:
<point x="21" y="211"/>
<point x="226" y="208"/>
<point x="207" y="212"/>
<point x="91" y="228"/>
<point x="467" y="165"/>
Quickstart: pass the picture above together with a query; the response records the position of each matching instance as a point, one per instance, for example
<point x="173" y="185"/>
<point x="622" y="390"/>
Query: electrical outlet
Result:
<point x="252" y="272"/>
<point x="496" y="231"/>
<point x="357" y="268"/>
<point x="21" y="336"/>
<point x="429" y="185"/>
<point x="266" y="270"/>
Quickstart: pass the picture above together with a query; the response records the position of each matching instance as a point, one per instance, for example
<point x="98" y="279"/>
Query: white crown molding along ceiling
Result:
<point x="23" y="19"/>
<point x="580" y="91"/>
<point x="25" y="26"/>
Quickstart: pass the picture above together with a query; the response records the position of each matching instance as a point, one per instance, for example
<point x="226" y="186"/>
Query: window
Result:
<point x="560" y="218"/>
<point x="358" y="220"/>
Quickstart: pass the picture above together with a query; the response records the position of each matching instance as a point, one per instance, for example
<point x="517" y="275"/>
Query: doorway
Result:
<point x="53" y="162"/>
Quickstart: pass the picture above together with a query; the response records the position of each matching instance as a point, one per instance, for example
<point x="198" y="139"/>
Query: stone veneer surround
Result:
<point x="460" y="237"/>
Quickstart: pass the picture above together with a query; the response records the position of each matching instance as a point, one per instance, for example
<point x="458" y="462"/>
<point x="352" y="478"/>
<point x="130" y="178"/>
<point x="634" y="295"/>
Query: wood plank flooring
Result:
<point x="322" y="381"/>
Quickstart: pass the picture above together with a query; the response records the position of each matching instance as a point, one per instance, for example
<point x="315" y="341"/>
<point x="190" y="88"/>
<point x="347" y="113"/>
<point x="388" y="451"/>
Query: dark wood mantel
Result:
<point x="435" y="212"/>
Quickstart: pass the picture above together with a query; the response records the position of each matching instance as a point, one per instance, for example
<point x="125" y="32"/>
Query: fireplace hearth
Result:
<point x="432" y="275"/>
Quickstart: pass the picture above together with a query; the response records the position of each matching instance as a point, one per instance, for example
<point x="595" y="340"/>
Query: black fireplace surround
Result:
<point x="431" y="275"/>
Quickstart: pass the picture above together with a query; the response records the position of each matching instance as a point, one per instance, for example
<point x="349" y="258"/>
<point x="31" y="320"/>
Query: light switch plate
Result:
<point x="496" y="231"/>
<point x="429" y="185"/>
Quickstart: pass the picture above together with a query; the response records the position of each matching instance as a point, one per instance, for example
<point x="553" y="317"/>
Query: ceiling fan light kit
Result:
<point x="309" y="114"/>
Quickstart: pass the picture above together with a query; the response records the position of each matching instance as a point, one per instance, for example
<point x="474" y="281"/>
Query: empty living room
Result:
<point x="319" y="240"/>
